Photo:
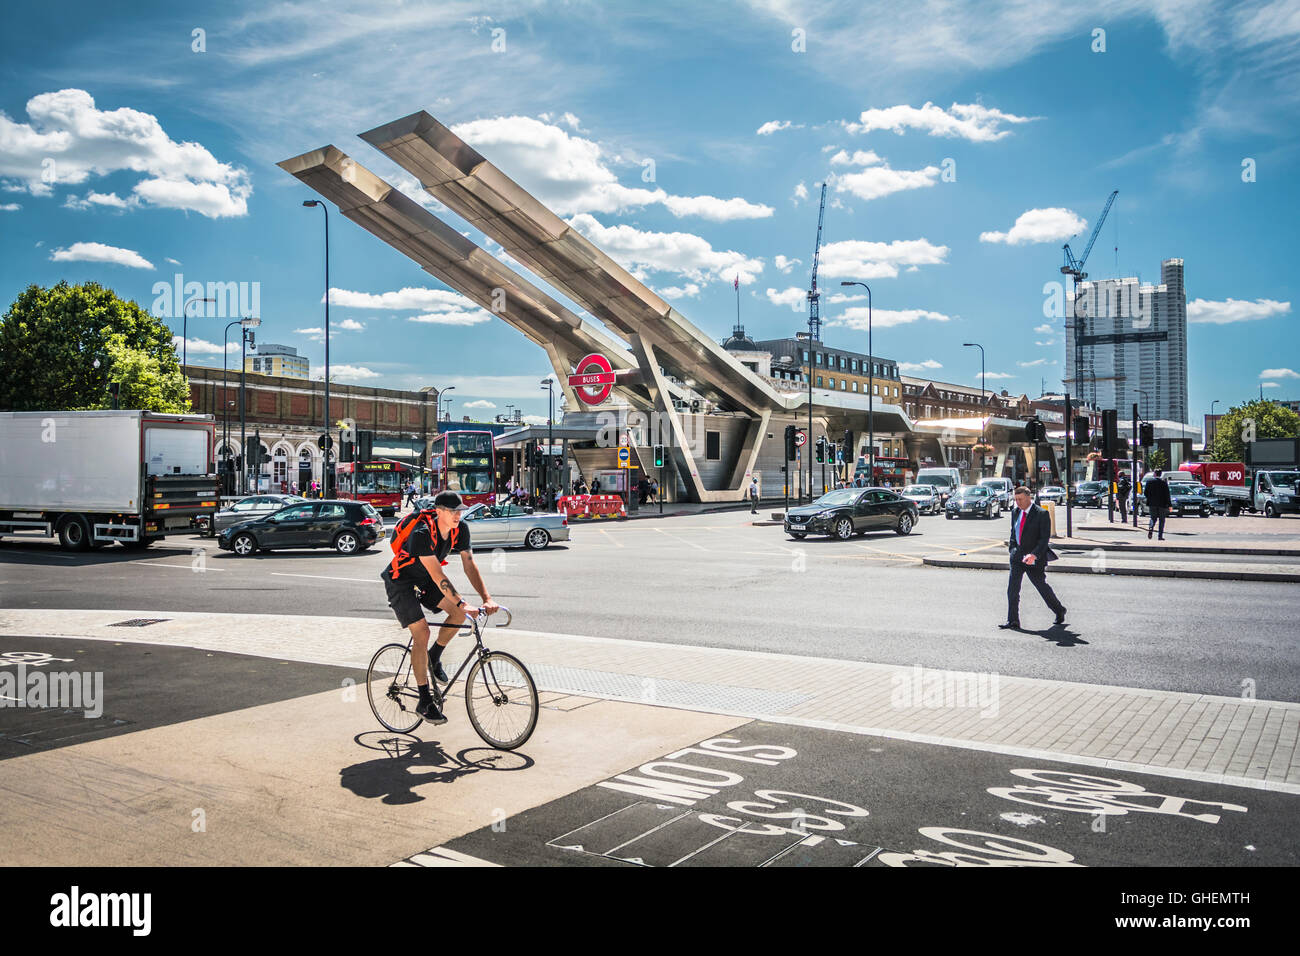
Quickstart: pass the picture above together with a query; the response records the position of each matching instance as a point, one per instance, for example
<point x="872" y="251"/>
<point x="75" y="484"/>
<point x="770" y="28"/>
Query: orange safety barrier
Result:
<point x="593" y="506"/>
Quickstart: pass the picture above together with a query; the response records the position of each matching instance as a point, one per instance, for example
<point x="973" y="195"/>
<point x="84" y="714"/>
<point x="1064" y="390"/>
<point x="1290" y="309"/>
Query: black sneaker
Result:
<point x="430" y="711"/>
<point x="439" y="673"/>
<point x="1060" y="616"/>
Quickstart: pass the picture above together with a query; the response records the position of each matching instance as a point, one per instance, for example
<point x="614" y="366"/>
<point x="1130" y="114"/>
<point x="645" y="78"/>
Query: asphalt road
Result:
<point x="716" y="580"/>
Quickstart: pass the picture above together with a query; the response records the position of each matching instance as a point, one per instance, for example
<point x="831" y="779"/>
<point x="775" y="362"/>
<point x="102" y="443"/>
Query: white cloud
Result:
<point x="681" y="253"/>
<point x="534" y="419"/>
<point x="481" y="403"/>
<point x="454" y="317"/>
<point x="316" y="334"/>
<point x="775" y="126"/>
<point x="569" y="173"/>
<point x="1048" y="342"/>
<point x="67" y="140"/>
<point x="111" y="200"/>
<point x="688" y="291"/>
<point x="1039" y="225"/>
<point x="794" y="298"/>
<point x="859" y="158"/>
<point x="339" y="373"/>
<point x="98" y="252"/>
<point x="350" y="325"/>
<point x="1279" y="373"/>
<point x="862" y="259"/>
<point x="875" y="182"/>
<point x="997" y="375"/>
<point x="1269" y="385"/>
<point x="1045" y="329"/>
<point x="10" y="207"/>
<point x="785" y="265"/>
<point x="402" y="299"/>
<point x="204" y="347"/>
<point x="918" y="366"/>
<point x="174" y="262"/>
<point x="800" y="192"/>
<point x="856" y="318"/>
<point x="839" y="298"/>
<point x="1041" y="361"/>
<point x="970" y="121"/>
<point x="1234" y="310"/>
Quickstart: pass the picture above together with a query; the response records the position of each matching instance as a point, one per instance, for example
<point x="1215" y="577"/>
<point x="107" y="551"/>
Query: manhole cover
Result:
<point x="140" y="622"/>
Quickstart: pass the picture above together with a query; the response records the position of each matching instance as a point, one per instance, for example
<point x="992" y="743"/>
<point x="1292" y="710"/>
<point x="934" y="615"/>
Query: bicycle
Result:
<point x="500" y="695"/>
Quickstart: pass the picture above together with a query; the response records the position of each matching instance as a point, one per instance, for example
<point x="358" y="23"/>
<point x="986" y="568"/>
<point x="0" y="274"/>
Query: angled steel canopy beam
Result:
<point x="443" y="252"/>
<point x="485" y="197"/>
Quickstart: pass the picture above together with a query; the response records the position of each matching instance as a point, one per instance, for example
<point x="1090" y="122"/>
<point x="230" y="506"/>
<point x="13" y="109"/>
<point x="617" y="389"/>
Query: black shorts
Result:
<point x="408" y="601"/>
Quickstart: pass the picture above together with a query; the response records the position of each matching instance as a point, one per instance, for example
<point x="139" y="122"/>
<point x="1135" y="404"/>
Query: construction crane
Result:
<point x="1074" y="267"/>
<point x="814" y="297"/>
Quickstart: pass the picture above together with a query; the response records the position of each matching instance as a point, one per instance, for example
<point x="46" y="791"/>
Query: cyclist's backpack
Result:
<point x="402" y="530"/>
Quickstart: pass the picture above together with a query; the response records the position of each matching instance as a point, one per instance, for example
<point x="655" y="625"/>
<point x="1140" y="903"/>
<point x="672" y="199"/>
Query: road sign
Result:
<point x="625" y="457"/>
<point x="800" y="438"/>
<point x="325" y="441"/>
<point x="593" y="378"/>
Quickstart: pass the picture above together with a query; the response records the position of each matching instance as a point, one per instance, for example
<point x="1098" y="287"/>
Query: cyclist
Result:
<point x="415" y="580"/>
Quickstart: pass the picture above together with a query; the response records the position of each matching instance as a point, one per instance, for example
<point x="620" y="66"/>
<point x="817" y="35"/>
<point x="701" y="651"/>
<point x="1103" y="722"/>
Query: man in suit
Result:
<point x="1158" y="502"/>
<point x="1029" y="543"/>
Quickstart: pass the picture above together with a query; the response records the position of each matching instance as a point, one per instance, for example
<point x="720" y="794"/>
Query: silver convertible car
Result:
<point x="254" y="506"/>
<point x="510" y="526"/>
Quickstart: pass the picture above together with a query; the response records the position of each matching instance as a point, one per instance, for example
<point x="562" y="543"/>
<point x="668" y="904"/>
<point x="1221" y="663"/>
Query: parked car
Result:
<point x="1053" y="493"/>
<point x="975" y="500"/>
<point x="508" y="525"/>
<point x="1184" y="499"/>
<point x="925" y="497"/>
<point x="349" y="527"/>
<point x="849" y="511"/>
<point x="1002" y="487"/>
<point x="254" y="506"/>
<point x="1091" y="494"/>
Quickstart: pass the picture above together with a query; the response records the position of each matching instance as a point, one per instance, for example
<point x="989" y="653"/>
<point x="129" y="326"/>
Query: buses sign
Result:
<point x="593" y="379"/>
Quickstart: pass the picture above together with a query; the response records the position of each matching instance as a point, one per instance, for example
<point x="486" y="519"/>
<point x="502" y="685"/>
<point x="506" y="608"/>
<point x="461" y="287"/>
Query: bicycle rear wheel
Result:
<point x="502" y="700"/>
<point x="390" y="688"/>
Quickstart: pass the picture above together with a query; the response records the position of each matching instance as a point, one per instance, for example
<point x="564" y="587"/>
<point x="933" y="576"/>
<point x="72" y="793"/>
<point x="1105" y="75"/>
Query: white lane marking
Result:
<point x="442" y="856"/>
<point x="682" y="540"/>
<point x="611" y="537"/>
<point x="323" y="577"/>
<point x="182" y="567"/>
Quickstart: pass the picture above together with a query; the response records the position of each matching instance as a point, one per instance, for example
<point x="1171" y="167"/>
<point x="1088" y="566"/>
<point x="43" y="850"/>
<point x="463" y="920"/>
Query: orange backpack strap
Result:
<point x="403" y="531"/>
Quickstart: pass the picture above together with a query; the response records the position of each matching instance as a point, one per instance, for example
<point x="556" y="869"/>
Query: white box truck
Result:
<point x="100" y="476"/>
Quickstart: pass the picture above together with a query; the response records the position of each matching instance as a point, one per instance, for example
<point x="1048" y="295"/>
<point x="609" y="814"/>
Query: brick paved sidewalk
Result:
<point x="1225" y="739"/>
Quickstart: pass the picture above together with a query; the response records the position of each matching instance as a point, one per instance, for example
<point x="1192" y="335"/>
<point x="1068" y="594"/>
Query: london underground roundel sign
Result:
<point x="593" y="378"/>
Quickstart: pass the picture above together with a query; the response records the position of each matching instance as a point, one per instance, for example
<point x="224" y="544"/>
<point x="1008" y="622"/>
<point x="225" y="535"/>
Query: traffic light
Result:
<point x="1146" y="434"/>
<point x="1035" y="431"/>
<point x="695" y="405"/>
<point x="791" y="450"/>
<point x="365" y="444"/>
<point x="1109" y="432"/>
<point x="659" y="456"/>
<point x="1081" y="429"/>
<point x="821" y="450"/>
<point x="239" y="463"/>
<point x="848" y="445"/>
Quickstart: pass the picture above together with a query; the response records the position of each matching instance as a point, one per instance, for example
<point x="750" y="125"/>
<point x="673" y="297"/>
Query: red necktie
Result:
<point x="1021" y="530"/>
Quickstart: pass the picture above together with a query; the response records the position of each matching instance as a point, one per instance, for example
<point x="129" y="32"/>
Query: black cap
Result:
<point x="450" y="500"/>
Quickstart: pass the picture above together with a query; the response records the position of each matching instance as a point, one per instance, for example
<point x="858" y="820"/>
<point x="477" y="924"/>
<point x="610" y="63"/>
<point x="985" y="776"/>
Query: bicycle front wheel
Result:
<point x="502" y="700"/>
<point x="390" y="687"/>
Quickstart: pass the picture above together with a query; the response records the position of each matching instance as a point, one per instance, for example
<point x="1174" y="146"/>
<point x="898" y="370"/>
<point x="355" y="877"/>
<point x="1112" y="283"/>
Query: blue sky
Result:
<point x="127" y="156"/>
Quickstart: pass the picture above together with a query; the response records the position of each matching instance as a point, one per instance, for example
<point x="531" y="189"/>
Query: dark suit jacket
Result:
<point x="1036" y="539"/>
<point x="1157" y="492"/>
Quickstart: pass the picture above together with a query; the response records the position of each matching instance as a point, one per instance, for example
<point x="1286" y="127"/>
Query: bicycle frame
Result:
<point x="479" y="649"/>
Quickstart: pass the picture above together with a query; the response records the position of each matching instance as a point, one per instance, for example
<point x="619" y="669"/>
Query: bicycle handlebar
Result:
<point x="482" y="614"/>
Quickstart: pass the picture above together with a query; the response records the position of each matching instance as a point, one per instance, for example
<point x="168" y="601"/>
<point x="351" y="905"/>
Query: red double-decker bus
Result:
<point x="381" y="483"/>
<point x="463" y="461"/>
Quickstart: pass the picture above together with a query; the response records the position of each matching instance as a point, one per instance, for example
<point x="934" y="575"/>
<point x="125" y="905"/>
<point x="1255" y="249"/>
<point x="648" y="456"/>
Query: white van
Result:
<point x="945" y="480"/>
<point x="1002" y="487"/>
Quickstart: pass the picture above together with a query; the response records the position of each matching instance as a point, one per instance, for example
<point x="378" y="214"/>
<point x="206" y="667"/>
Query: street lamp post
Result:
<point x="871" y="390"/>
<point x="983" y="407"/>
<point x="441" y="394"/>
<point x="1213" y="424"/>
<point x="548" y="383"/>
<point x="325" y="482"/>
<point x="246" y="335"/>
<point x="185" y="334"/>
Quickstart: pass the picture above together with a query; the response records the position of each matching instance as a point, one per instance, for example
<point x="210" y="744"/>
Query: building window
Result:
<point x="855" y="386"/>
<point x="875" y="389"/>
<point x="843" y="362"/>
<point x="805" y="355"/>
<point x="854" y="365"/>
<point x="819" y="381"/>
<point x="713" y="446"/>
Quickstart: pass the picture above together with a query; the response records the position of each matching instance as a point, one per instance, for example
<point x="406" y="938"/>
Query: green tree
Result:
<point x="1267" y="419"/>
<point x="51" y="338"/>
<point x="1158" y="459"/>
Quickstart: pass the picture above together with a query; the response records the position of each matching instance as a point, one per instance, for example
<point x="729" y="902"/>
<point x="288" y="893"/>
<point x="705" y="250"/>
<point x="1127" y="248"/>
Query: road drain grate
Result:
<point x="140" y="622"/>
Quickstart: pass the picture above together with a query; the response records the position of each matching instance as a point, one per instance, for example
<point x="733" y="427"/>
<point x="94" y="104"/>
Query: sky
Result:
<point x="961" y="144"/>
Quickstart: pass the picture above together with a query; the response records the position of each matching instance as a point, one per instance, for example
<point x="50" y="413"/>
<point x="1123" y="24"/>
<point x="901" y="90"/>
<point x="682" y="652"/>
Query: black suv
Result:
<point x="849" y="511"/>
<point x="348" y="527"/>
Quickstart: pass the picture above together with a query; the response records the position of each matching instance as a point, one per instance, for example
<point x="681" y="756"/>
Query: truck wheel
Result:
<point x="74" y="533"/>
<point x="1234" y="509"/>
<point x="1270" y="511"/>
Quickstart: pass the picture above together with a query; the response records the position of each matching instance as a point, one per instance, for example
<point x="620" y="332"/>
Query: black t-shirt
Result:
<point x="422" y="542"/>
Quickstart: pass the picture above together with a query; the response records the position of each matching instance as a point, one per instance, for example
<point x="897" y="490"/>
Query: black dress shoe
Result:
<point x="1060" y="616"/>
<point x="1010" y="626"/>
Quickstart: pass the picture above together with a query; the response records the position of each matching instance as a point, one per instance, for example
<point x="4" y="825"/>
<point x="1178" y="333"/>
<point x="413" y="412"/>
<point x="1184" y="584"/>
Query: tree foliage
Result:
<point x="50" y="339"/>
<point x="1267" y="419"/>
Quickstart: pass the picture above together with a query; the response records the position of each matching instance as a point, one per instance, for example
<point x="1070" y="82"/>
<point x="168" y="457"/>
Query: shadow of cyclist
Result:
<point x="412" y="763"/>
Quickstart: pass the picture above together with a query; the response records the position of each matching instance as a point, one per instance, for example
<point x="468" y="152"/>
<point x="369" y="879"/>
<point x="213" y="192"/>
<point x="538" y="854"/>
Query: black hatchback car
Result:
<point x="849" y="511"/>
<point x="348" y="527"/>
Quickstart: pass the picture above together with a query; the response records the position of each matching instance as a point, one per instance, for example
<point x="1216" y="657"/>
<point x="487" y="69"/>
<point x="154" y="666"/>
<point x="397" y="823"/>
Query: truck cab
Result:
<point x="1276" y="492"/>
